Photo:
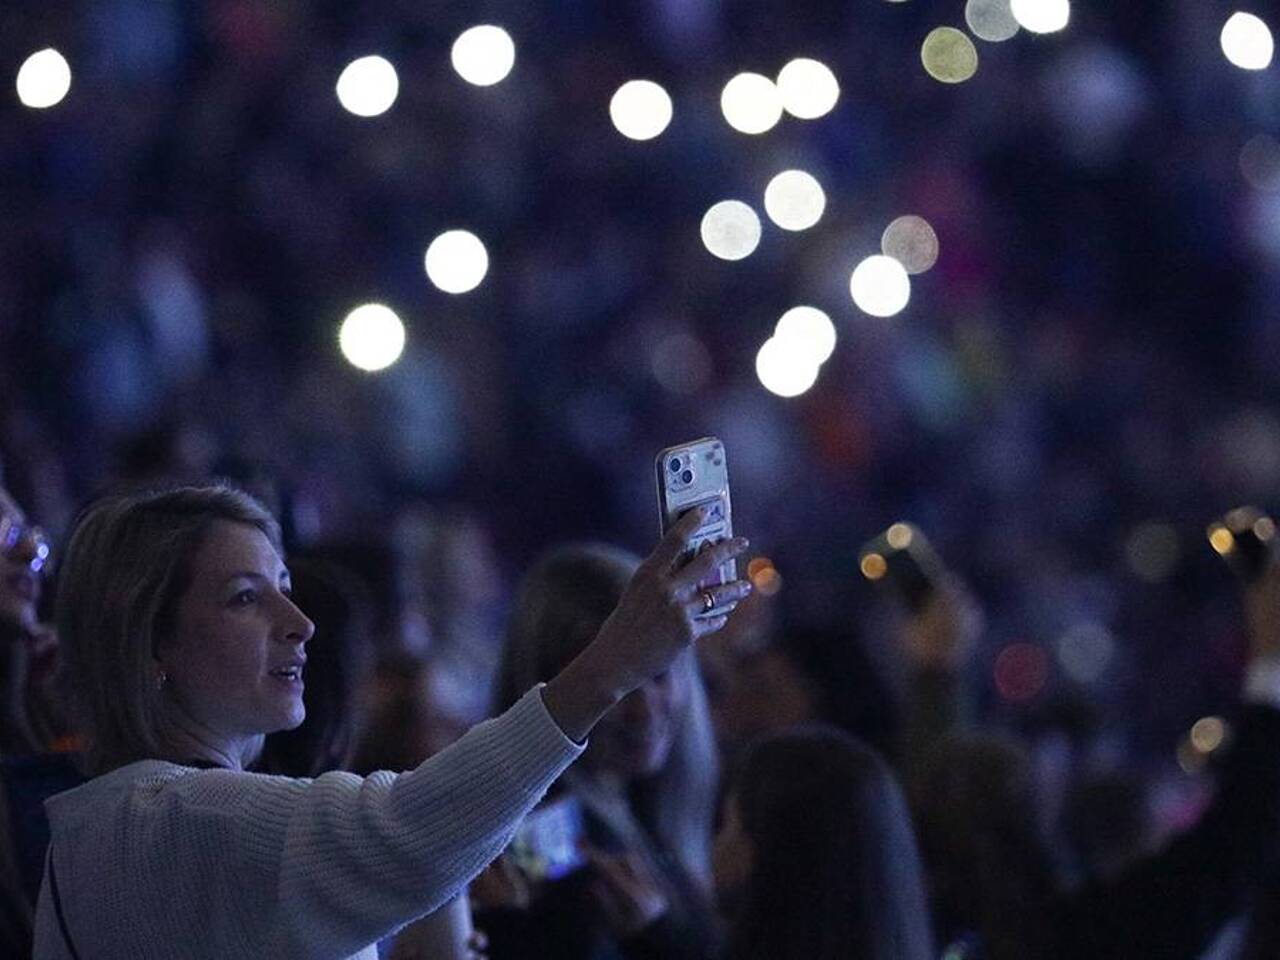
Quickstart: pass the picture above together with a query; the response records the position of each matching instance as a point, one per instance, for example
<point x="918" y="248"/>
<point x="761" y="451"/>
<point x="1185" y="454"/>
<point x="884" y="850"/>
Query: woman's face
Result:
<point x="21" y="564"/>
<point x="731" y="856"/>
<point x="634" y="739"/>
<point x="234" y="664"/>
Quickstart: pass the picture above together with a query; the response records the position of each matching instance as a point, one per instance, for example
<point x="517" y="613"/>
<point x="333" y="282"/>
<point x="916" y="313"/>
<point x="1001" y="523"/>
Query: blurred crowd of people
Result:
<point x="1084" y="380"/>
<point x="749" y="802"/>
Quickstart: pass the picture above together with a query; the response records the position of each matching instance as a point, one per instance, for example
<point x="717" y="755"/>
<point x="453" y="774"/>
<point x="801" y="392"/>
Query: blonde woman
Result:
<point x="186" y="650"/>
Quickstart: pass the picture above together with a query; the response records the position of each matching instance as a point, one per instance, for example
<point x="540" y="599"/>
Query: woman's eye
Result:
<point x="244" y="598"/>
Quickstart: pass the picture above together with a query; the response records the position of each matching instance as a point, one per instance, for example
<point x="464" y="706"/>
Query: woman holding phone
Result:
<point x="186" y="649"/>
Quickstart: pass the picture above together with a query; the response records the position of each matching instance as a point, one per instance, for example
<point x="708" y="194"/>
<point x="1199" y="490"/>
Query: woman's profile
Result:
<point x="185" y="650"/>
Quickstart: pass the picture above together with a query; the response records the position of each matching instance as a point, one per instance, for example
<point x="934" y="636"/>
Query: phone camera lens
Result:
<point x="675" y="465"/>
<point x="687" y="476"/>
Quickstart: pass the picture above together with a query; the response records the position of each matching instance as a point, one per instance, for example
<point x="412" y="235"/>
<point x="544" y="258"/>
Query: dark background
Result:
<point x="1094" y="353"/>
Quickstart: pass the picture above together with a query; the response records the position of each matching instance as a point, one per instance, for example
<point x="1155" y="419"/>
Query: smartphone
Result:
<point x="903" y="559"/>
<point x="548" y="843"/>
<point x="1244" y="537"/>
<point x="690" y="475"/>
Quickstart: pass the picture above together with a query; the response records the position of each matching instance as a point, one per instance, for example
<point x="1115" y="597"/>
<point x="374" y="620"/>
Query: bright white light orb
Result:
<point x="808" y="88"/>
<point x="371" y="337"/>
<point x="731" y="230"/>
<point x="751" y="103"/>
<point x="794" y="200"/>
<point x="483" y="55"/>
<point x="456" y="261"/>
<point x="1247" y="41"/>
<point x="1042" y="16"/>
<point x="785" y="368"/>
<point x="640" y="109"/>
<point x="911" y="241"/>
<point x="368" y="86"/>
<point x="44" y="79"/>
<point x="808" y="330"/>
<point x="990" y="20"/>
<point x="880" y="286"/>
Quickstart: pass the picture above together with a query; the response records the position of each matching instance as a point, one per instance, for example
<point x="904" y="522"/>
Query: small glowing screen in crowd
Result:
<point x="880" y="286"/>
<point x="991" y="20"/>
<point x="1247" y="41"/>
<point x="808" y="88"/>
<point x="44" y="79"/>
<point x="1042" y="16"/>
<point x="794" y="200"/>
<point x="911" y="241"/>
<point x="368" y="86"/>
<point x="786" y="367"/>
<point x="751" y="103"/>
<point x="483" y="55"/>
<point x="640" y="109"/>
<point x="731" y="230"/>
<point x="456" y="261"/>
<point x="949" y="56"/>
<point x="371" y="337"/>
<point x="810" y="331"/>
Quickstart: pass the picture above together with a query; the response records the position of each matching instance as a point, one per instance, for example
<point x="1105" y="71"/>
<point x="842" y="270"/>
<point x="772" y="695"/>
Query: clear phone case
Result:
<point x="689" y="475"/>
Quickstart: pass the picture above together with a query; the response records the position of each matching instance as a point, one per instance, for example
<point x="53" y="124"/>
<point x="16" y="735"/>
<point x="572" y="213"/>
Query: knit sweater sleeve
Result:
<point x="343" y="860"/>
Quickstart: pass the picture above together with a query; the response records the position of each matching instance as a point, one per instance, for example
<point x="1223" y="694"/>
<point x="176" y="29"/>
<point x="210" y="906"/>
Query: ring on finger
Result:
<point x="708" y="601"/>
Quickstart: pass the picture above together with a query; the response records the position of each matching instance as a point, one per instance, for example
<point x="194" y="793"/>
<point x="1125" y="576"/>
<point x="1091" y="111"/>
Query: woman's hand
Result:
<point x="658" y="617"/>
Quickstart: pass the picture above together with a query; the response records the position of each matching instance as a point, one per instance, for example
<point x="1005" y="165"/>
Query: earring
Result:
<point x="162" y="678"/>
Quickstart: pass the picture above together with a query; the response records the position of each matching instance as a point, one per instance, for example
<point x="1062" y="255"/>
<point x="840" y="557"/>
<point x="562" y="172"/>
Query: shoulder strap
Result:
<point x="57" y="908"/>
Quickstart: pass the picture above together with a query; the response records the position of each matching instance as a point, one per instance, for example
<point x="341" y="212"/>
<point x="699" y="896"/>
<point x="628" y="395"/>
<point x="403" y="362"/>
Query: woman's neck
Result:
<point x="186" y="739"/>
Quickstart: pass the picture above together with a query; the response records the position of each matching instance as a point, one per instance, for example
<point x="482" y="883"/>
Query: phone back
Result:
<point x="689" y="475"/>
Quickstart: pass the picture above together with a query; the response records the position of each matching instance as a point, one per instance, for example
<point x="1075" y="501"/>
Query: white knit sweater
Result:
<point x="156" y="860"/>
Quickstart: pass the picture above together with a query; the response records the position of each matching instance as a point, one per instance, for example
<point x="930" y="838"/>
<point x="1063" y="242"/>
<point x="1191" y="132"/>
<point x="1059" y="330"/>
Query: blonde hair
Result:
<point x="126" y="566"/>
<point x="560" y="607"/>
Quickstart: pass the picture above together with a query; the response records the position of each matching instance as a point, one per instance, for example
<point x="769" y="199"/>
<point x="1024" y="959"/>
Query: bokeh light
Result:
<point x="1208" y="734"/>
<point x="1086" y="651"/>
<point x="991" y="20"/>
<point x="873" y="566"/>
<point x="810" y="330"/>
<point x="44" y="79"/>
<point x="1260" y="163"/>
<point x="1222" y="540"/>
<point x="456" y="261"/>
<point x="1042" y="16"/>
<point x="368" y="86"/>
<point x="731" y="230"/>
<point x="751" y="103"/>
<point x="483" y="55"/>
<point x="911" y="241"/>
<point x="1021" y="671"/>
<point x="794" y="200"/>
<point x="785" y="368"/>
<point x="808" y="88"/>
<point x="1153" y="552"/>
<point x="900" y="535"/>
<point x="640" y="109"/>
<point x="764" y="576"/>
<point x="1247" y="41"/>
<point x="371" y="337"/>
<point x="948" y="55"/>
<point x="681" y="363"/>
<point x="880" y="286"/>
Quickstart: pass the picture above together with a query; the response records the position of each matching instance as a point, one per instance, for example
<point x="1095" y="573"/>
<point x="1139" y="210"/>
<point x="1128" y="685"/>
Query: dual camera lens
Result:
<point x="674" y="466"/>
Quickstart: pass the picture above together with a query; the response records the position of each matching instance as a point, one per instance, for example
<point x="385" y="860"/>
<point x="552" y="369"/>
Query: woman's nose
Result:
<point x="298" y="627"/>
